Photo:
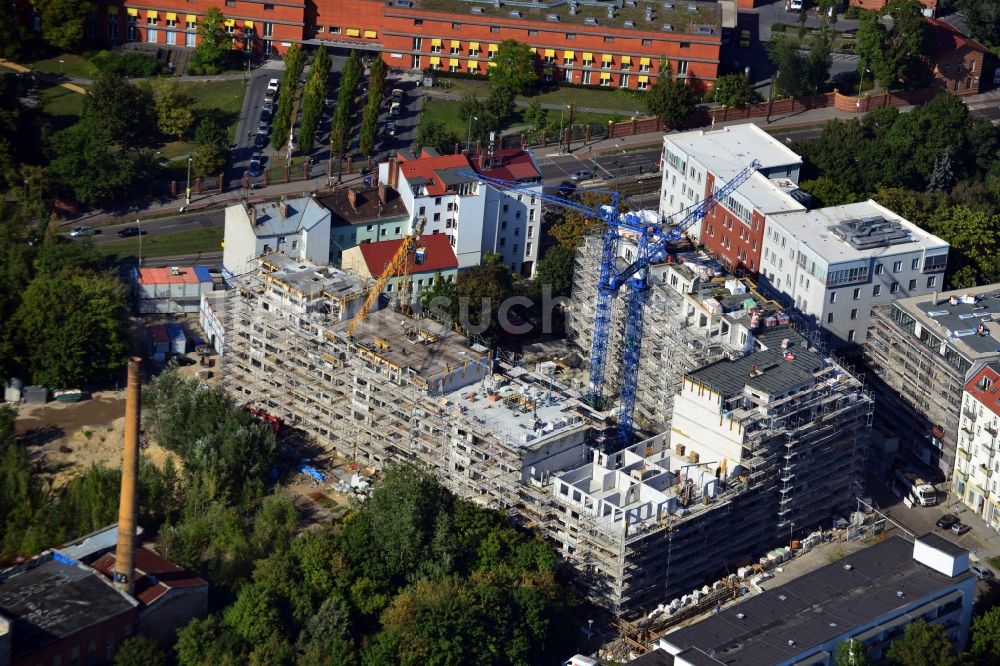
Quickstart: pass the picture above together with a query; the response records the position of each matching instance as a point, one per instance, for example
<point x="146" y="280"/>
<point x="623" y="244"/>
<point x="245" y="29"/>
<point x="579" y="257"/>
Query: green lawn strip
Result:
<point x="444" y="111"/>
<point x="59" y="101"/>
<point x="616" y="100"/>
<point x="184" y="242"/>
<point x="73" y="66"/>
<point x="222" y="99"/>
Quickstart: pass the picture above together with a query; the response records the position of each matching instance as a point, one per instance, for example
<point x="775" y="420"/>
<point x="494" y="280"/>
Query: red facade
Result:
<point x="737" y="244"/>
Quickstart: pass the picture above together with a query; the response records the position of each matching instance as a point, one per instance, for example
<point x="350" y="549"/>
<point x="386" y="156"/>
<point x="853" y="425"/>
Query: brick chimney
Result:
<point x="283" y="209"/>
<point x="128" y="501"/>
<point x="393" y="178"/>
<point x="382" y="193"/>
<point x="352" y="198"/>
<point x="252" y="213"/>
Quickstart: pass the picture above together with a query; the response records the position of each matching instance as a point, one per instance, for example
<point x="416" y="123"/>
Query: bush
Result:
<point x="853" y="12"/>
<point x="129" y="65"/>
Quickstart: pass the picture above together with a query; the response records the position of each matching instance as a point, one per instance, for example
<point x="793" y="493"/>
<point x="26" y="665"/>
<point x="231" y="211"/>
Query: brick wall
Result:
<point x="161" y="620"/>
<point x="114" y="630"/>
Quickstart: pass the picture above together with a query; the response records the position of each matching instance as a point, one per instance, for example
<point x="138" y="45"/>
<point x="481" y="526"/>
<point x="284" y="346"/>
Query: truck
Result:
<point x="919" y="490"/>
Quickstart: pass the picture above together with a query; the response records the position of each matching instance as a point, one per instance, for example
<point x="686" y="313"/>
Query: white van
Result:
<point x="395" y="109"/>
<point x="795" y="5"/>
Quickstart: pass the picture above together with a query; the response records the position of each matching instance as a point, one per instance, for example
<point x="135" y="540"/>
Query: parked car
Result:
<point x="567" y="187"/>
<point x="395" y="109"/>
<point x="960" y="528"/>
<point x="261" y="141"/>
<point x="397" y="95"/>
<point x="744" y="38"/>
<point x="795" y="5"/>
<point x="255" y="168"/>
<point x="981" y="572"/>
<point x="582" y="174"/>
<point x="268" y="106"/>
<point x="946" y="521"/>
<point x="82" y="230"/>
<point x="263" y="127"/>
<point x="128" y="232"/>
<point x="390" y="129"/>
<point x="272" y="85"/>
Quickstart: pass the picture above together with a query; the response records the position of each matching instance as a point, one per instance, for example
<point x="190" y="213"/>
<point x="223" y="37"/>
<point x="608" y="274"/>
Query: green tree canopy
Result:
<point x="851" y="653"/>
<point x="432" y="134"/>
<point x="892" y="49"/>
<point x="12" y="34"/>
<point x="556" y="269"/>
<point x="922" y="644"/>
<point x="669" y="99"/>
<point x="733" y="90"/>
<point x="791" y="70"/>
<point x="172" y="103"/>
<point x="515" y="67"/>
<point x="985" y="644"/>
<point x="63" y="22"/>
<point x="828" y="192"/>
<point x="214" y="43"/>
<point x="140" y="651"/>
<point x="127" y="110"/>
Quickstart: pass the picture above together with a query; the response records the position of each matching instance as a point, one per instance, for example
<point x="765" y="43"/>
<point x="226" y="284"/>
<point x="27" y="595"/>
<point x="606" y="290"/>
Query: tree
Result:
<point x="140" y="651"/>
<point x="71" y="328"/>
<point x="481" y="290"/>
<point x="209" y="641"/>
<point x="172" y="102"/>
<point x="514" y="67"/>
<point x="733" y="90"/>
<point x="668" y="99"/>
<point x="208" y="160"/>
<point x="440" y="300"/>
<point x="500" y="104"/>
<point x="127" y="110"/>
<point x="88" y="165"/>
<point x="62" y="22"/>
<point x="791" y="71"/>
<point x="255" y="614"/>
<point x="983" y="19"/>
<point x="556" y="269"/>
<point x="573" y="226"/>
<point x="536" y="116"/>
<point x="209" y="132"/>
<point x="892" y="53"/>
<point x="922" y="644"/>
<point x="941" y="177"/>
<point x="974" y="236"/>
<point x="12" y="34"/>
<point x="828" y="192"/>
<point x="214" y="43"/>
<point x="985" y="645"/>
<point x="851" y="653"/>
<point x="819" y="61"/>
<point x="432" y="134"/>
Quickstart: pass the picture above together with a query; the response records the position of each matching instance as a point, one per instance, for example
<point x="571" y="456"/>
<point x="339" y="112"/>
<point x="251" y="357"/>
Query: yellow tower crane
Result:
<point x="400" y="265"/>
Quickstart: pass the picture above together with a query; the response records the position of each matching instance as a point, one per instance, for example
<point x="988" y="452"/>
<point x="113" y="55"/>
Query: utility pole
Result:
<point x="187" y="190"/>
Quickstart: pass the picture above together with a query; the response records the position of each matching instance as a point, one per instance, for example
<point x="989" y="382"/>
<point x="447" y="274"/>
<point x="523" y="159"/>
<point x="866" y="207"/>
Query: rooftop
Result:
<point x="874" y="231"/>
<point x="425" y="347"/>
<point x="93" y="544"/>
<point x="943" y="39"/>
<point x="817" y="606"/>
<point x="729" y="150"/>
<point x="985" y="387"/>
<point x="438" y="254"/>
<point x="956" y="317"/>
<point x="769" y="195"/>
<point x="308" y="279"/>
<point x="666" y="18"/>
<point x="512" y="164"/>
<point x="366" y="207"/>
<point x="154" y="575"/>
<point x="519" y="407"/>
<point x="175" y="275"/>
<point x="767" y="370"/>
<point x="437" y="172"/>
<point x="300" y="214"/>
<point x="53" y="600"/>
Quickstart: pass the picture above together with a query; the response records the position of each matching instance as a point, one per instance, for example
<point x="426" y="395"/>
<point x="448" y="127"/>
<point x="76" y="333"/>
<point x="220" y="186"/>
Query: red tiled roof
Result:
<point x="439" y="254"/>
<point x="155" y="576"/>
<point x="990" y="397"/>
<point x="514" y="164"/>
<point x="944" y="39"/>
<point x="427" y="165"/>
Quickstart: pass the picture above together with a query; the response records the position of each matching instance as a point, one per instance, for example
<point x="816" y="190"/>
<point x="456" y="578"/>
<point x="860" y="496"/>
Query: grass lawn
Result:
<point x="626" y="101"/>
<point x="185" y="242"/>
<point x="444" y="111"/>
<point x="63" y="107"/>
<point x="222" y="99"/>
<point x="73" y="66"/>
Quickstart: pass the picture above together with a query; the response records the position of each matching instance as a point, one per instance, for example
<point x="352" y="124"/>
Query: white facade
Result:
<point x="211" y="317"/>
<point x="836" y="281"/>
<point x="977" y="465"/>
<point x="691" y="159"/>
<point x="298" y="228"/>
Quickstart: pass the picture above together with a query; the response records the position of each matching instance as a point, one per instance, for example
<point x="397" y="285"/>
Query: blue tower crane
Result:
<point x="652" y="244"/>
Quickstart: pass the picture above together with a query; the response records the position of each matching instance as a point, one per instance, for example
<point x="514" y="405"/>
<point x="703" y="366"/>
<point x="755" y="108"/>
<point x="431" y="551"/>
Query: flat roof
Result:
<point x="942" y="544"/>
<point x="769" y="196"/>
<point x="53" y="600"/>
<point x="166" y="275"/>
<point x="95" y="543"/>
<point x="679" y="16"/>
<point x="817" y="606"/>
<point x="729" y="150"/>
<point x="309" y="279"/>
<point x="812" y="229"/>
<point x="302" y="213"/>
<point x="519" y="407"/>
<point x="766" y="370"/>
<point x="958" y="323"/>
<point x="426" y="347"/>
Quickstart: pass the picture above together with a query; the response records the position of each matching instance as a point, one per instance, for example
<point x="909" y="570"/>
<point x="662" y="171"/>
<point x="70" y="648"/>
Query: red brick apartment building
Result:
<point x="957" y="61"/>
<point x="595" y="42"/>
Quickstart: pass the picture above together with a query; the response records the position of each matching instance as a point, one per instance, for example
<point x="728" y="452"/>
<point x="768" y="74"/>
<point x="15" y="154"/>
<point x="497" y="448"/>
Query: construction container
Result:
<point x="178" y="341"/>
<point x="160" y="337"/>
<point x="13" y="390"/>
<point x="36" y="395"/>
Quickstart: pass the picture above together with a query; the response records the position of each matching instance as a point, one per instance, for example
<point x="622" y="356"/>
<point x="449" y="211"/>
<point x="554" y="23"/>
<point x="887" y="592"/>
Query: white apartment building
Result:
<point x="298" y="228"/>
<point x="977" y="464"/>
<point x="477" y="217"/>
<point x="694" y="162"/>
<point x="835" y="264"/>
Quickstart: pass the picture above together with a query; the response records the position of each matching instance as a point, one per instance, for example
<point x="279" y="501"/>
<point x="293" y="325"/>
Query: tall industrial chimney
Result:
<point x="128" y="503"/>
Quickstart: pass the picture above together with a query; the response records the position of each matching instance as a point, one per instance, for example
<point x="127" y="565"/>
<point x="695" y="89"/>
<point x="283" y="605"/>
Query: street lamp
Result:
<point x="562" y="115"/>
<point x="187" y="190"/>
<point x="861" y="84"/>
<point x="62" y="68"/>
<point x="138" y="225"/>
<point x="468" y="137"/>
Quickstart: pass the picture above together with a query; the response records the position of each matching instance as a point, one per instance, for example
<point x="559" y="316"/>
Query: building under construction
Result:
<point x="761" y="450"/>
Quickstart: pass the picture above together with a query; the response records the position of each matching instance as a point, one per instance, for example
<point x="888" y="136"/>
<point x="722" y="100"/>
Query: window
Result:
<point x="423" y="210"/>
<point x="474" y="52"/>
<point x="334" y="29"/>
<point x="912" y="285"/>
<point x="437" y="201"/>
<point x="230" y="3"/>
<point x="894" y="288"/>
<point x="623" y="81"/>
<point x="876" y="290"/>
<point x="455" y="50"/>
<point x="318" y="29"/>
<point x="532" y="33"/>
<point x="570" y="35"/>
<point x="682" y="67"/>
<point x="418" y="21"/>
<point x="527" y="249"/>
<point x="150" y="20"/>
<point x="268" y="7"/>
<point x="494" y="28"/>
<point x="897" y="266"/>
<point x="932" y="282"/>
<point x="642" y="85"/>
<point x="915" y="264"/>
<point x="456" y="26"/>
<point x="515" y="248"/>
<point x="829" y="318"/>
<point x="854" y="313"/>
<point x="608" y="40"/>
<point x="879" y="269"/>
<point x="503" y="242"/>
<point x="171" y="23"/>
<point x="850" y="335"/>
<point x="647" y="42"/>
<point x="833" y="297"/>
<point x="437" y="217"/>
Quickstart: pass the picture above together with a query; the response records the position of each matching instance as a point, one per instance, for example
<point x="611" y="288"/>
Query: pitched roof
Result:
<point x="943" y="39"/>
<point x="367" y="206"/>
<point x="434" y="171"/>
<point x="989" y="396"/>
<point x="439" y="254"/>
<point x="155" y="575"/>
<point x="512" y="164"/>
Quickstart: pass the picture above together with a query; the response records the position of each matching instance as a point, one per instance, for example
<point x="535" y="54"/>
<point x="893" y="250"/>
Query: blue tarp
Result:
<point x="203" y="274"/>
<point x="312" y="471"/>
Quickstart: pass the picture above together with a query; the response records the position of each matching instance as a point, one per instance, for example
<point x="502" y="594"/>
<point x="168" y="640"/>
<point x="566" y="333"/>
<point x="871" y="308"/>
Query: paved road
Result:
<point x="201" y="259"/>
<point x="166" y="225"/>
